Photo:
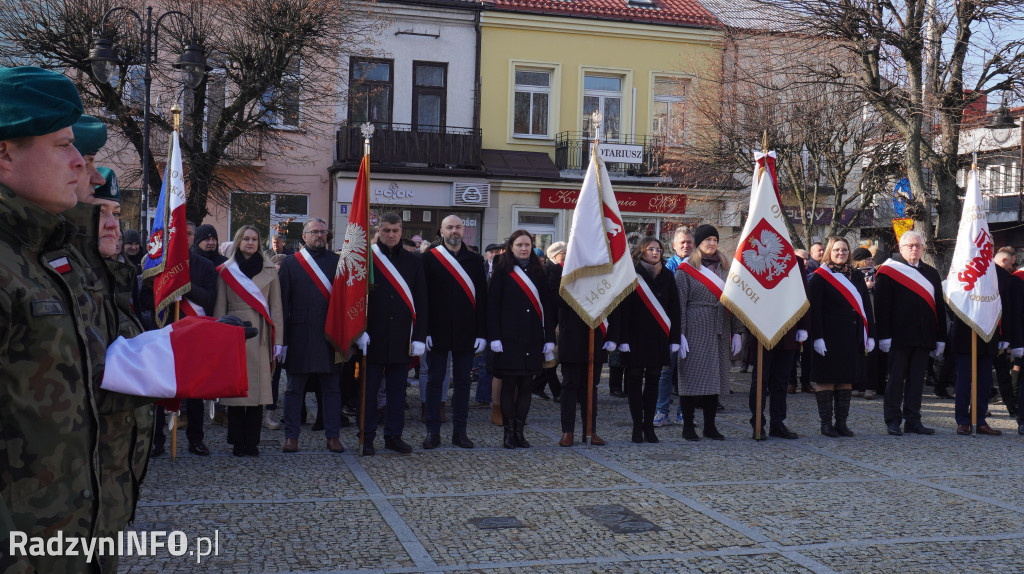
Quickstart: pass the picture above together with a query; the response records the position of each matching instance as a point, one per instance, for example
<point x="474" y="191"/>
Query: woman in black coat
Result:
<point x="649" y="335"/>
<point x="521" y="329"/>
<point x="842" y="327"/>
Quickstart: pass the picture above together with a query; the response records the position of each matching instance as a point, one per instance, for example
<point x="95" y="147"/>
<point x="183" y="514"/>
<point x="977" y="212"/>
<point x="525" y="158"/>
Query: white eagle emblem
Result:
<point x="353" y="254"/>
<point x="767" y="258"/>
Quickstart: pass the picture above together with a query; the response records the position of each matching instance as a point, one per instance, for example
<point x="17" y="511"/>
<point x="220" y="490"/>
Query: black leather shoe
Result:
<point x="617" y="393"/>
<point x="368" y="449"/>
<point x="894" y="429"/>
<point x="432" y="441"/>
<point x="198" y="448"/>
<point x="1020" y="431"/>
<point x="461" y="440"/>
<point x="781" y="431"/>
<point x="540" y="394"/>
<point x="916" y="429"/>
<point x="396" y="444"/>
<point x="158" y="449"/>
<point x="711" y="432"/>
<point x="943" y="393"/>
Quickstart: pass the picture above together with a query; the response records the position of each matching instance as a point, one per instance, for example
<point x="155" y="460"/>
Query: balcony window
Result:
<point x="429" y="96"/>
<point x="668" y="111"/>
<point x="604" y="94"/>
<point x="532" y="102"/>
<point x="370" y="92"/>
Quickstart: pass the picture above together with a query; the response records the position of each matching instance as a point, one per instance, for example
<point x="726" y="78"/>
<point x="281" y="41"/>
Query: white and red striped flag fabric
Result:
<point x="175" y="362"/>
<point x="166" y="260"/>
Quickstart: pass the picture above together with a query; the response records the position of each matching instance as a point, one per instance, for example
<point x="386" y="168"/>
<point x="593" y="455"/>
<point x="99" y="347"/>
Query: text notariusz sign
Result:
<point x="634" y="202"/>
<point x="621" y="153"/>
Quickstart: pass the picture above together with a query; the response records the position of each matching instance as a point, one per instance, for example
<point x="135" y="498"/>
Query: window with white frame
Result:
<point x="669" y="109"/>
<point x="282" y="102"/>
<point x="532" y="102"/>
<point x="602" y="93"/>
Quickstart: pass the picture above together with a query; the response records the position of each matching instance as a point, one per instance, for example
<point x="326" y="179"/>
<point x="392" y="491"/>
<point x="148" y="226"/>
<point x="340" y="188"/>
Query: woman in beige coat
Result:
<point x="247" y="288"/>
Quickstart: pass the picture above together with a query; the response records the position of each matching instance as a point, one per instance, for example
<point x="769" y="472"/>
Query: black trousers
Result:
<point x="515" y="398"/>
<point x="778" y="364"/>
<point x="244" y="427"/>
<point x="906" y="383"/>
<point x="1003" y="364"/>
<point x="642" y="391"/>
<point x="393" y="376"/>
<point x="574" y="392"/>
<point x="437" y="365"/>
<point x="194" y="413"/>
<point x="548" y="377"/>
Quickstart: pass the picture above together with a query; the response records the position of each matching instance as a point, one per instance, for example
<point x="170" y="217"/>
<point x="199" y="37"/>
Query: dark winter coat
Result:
<point x="573" y="333"/>
<point x="649" y="346"/>
<point x="455" y="323"/>
<point x="305" y="315"/>
<point x="841" y="326"/>
<point x="388" y="319"/>
<point x="905" y="317"/>
<point x="512" y="320"/>
<point x="203" y="276"/>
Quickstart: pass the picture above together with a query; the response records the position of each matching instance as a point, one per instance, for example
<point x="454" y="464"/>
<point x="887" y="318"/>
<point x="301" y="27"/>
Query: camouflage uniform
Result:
<point x="125" y="421"/>
<point x="49" y="346"/>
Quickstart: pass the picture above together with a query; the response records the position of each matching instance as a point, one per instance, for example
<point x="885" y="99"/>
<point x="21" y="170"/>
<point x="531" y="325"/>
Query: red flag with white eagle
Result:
<point x="764" y="288"/>
<point x="598" y="272"/>
<point x="175" y="362"/>
<point x="346" y="312"/>
<point x="166" y="260"/>
<point x="972" y="288"/>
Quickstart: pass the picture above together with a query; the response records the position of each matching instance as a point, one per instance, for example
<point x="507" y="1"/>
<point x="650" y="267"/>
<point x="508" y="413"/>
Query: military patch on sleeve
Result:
<point x="48" y="307"/>
<point x="60" y="265"/>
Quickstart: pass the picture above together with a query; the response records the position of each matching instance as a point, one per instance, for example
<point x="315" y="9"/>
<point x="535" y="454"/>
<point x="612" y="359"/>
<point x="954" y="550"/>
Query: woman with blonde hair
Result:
<point x="248" y="288"/>
<point x="709" y="334"/>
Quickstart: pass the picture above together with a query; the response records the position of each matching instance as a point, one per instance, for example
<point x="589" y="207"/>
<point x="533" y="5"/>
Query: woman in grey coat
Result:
<point x="709" y="333"/>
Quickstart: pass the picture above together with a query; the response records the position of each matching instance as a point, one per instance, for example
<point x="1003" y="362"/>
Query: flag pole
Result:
<point x="176" y="112"/>
<point x="362" y="360"/>
<point x="758" y="415"/>
<point x="588" y="424"/>
<point x="974" y="383"/>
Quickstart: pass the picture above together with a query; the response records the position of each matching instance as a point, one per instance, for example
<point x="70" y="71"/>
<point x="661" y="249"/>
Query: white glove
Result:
<point x="550" y="348"/>
<point x="939" y="348"/>
<point x="1017" y="352"/>
<point x="430" y="342"/>
<point x="279" y="352"/>
<point x="871" y="344"/>
<point x="819" y="347"/>
<point x="496" y="346"/>
<point x="418" y="348"/>
<point x="1003" y="345"/>
<point x="674" y="347"/>
<point x="801" y="335"/>
<point x="479" y="345"/>
<point x="363" y="342"/>
<point x="884" y="345"/>
<point x="737" y="344"/>
<point x="609" y="346"/>
<point x="683" y="347"/>
<point x="624" y="348"/>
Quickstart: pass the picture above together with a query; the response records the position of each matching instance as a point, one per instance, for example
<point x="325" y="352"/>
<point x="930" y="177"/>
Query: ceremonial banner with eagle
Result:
<point x="598" y="272"/>
<point x="346" y="312"/>
<point x="764" y="288"/>
<point x="972" y="288"/>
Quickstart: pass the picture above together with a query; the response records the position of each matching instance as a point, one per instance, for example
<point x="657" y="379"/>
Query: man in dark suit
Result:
<point x="396" y="315"/>
<point x="457" y="293"/>
<point x="306" y="281"/>
<point x="910" y="314"/>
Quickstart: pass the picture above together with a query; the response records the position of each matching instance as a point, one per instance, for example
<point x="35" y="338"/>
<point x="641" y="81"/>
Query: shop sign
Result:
<point x="823" y="216"/>
<point x="634" y="202"/>
<point x="621" y="153"/>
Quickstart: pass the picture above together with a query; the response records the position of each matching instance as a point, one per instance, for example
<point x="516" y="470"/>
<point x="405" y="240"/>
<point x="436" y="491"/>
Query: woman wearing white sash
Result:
<point x="709" y="334"/>
<point x="245" y="415"/>
<point x="838" y="333"/>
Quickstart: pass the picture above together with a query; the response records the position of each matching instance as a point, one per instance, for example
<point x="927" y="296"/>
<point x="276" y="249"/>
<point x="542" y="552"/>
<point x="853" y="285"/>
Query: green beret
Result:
<point x="108" y="190"/>
<point x="36" y="102"/>
<point x="90" y="135"/>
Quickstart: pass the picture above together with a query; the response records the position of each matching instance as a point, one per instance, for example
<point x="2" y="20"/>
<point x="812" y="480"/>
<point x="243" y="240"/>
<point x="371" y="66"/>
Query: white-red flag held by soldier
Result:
<point x="764" y="287"/>
<point x="972" y="289"/>
<point x="598" y="272"/>
<point x="166" y="260"/>
<point x="346" y="312"/>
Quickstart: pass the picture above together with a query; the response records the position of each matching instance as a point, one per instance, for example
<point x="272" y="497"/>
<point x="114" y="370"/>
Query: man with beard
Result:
<point x="206" y="244"/>
<point x="306" y="281"/>
<point x="456" y="292"/>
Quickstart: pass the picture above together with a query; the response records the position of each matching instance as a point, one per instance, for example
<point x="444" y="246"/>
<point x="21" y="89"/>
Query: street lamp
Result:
<point x="1002" y="120"/>
<point x="191" y="63"/>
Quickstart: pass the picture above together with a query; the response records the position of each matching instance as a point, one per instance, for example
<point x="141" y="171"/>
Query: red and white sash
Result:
<point x="314" y="272"/>
<point x="190" y="309"/>
<point x="713" y="282"/>
<point x="604" y="327"/>
<point x="455" y="268"/>
<point x="530" y="289"/>
<point x="245" y="288"/>
<point x="910" y="278"/>
<point x="848" y="291"/>
<point x="653" y="305"/>
<point x="390" y="272"/>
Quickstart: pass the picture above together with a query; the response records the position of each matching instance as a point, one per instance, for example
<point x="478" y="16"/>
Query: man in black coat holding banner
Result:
<point x="306" y="282"/>
<point x="396" y="316"/>
<point x="457" y="292"/>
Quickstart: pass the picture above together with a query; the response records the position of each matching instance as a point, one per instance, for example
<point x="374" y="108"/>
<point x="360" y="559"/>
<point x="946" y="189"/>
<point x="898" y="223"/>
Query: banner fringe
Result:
<point x="768" y="342"/>
<point x="584" y="315"/>
<point x="987" y="337"/>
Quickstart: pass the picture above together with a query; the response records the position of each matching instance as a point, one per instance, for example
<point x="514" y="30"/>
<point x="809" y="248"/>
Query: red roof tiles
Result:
<point x="668" y="12"/>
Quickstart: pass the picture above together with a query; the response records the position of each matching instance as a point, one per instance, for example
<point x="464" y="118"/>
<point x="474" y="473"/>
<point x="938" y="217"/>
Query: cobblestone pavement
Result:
<point x="873" y="503"/>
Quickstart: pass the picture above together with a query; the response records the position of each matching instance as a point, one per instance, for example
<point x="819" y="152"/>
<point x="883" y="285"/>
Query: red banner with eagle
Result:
<point x="764" y="288"/>
<point x="598" y="272"/>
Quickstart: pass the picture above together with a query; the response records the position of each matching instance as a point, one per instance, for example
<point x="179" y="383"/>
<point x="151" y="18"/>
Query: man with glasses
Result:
<point x="306" y="281"/>
<point x="911" y="317"/>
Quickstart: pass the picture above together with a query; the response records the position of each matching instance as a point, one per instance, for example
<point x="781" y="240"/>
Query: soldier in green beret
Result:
<point x="50" y="350"/>
<point x="90" y="137"/>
